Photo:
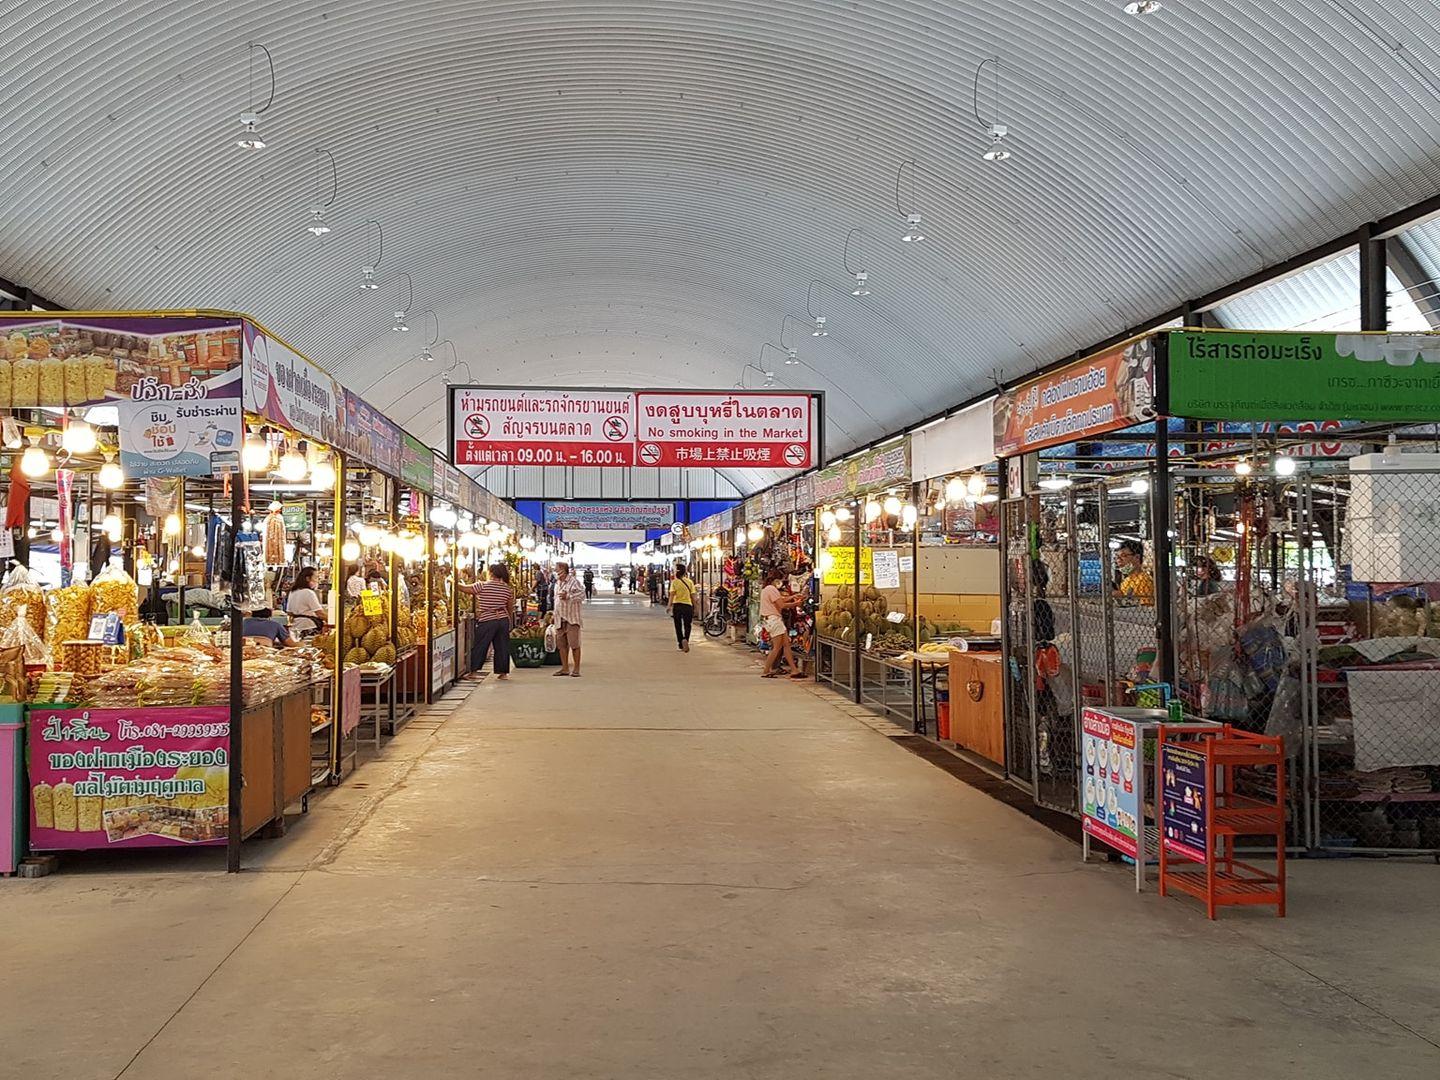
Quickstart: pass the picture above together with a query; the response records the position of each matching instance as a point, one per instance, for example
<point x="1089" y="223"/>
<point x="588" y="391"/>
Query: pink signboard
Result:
<point x="724" y="428"/>
<point x="128" y="777"/>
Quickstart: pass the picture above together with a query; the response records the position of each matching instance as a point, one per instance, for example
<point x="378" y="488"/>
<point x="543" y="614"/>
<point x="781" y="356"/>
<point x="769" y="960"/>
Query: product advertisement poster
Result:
<point x="764" y="430"/>
<point x="416" y="464"/>
<point x="886" y="565"/>
<point x="1183" y="783"/>
<point x="285" y="388"/>
<point x="128" y="777"/>
<point x="839" y="567"/>
<point x="1278" y="376"/>
<point x="1090" y="397"/>
<point x="368" y="434"/>
<point x="543" y="427"/>
<point x="629" y="516"/>
<point x="190" y="430"/>
<point x="98" y="360"/>
<point x="1112" y="809"/>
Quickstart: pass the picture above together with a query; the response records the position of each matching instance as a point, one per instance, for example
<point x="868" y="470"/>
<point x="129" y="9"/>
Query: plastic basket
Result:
<point x="528" y="654"/>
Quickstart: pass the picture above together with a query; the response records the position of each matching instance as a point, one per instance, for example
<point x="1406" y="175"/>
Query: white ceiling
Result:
<point x="636" y="193"/>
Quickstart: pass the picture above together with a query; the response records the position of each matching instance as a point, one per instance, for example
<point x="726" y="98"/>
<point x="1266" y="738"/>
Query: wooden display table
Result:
<point x="977" y="712"/>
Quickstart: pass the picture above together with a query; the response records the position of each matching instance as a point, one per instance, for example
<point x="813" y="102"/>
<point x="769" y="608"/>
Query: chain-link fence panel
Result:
<point x="1019" y="731"/>
<point x="1056" y="736"/>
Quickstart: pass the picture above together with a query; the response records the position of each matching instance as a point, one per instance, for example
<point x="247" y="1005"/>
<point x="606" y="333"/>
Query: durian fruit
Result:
<point x="357" y="624"/>
<point x="357" y="655"/>
<point x="385" y="654"/>
<point x="374" y="638"/>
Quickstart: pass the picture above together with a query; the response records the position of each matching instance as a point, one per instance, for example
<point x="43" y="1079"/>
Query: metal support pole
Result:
<point x="856" y="663"/>
<point x="1164" y="561"/>
<point x="429" y="665"/>
<point x="1374" y="313"/>
<point x="235" y="825"/>
<point x="337" y="592"/>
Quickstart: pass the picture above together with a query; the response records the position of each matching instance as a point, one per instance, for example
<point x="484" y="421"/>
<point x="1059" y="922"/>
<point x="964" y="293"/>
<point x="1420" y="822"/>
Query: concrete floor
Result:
<point x="670" y="869"/>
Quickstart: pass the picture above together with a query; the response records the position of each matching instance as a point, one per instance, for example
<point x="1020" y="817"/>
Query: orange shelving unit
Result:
<point x="1200" y="817"/>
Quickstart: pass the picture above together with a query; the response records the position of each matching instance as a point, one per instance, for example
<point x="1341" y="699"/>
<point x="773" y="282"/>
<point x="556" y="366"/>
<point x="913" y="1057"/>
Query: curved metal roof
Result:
<point x="637" y="192"/>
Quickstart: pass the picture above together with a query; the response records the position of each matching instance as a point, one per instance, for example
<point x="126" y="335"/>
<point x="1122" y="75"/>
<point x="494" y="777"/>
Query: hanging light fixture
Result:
<point x="955" y="489"/>
<point x="976" y="484"/>
<point x="792" y="357"/>
<point x="250" y="118"/>
<point x="819" y="330"/>
<point x="993" y="128"/>
<point x="892" y="505"/>
<point x="827" y="518"/>
<point x="862" y="277"/>
<point x="110" y="476"/>
<point x="913" y="235"/>
<point x="1243" y="467"/>
<point x="1143" y="7"/>
<point x="322" y="473"/>
<point x="34" y="462"/>
<point x="112" y="527"/>
<point x="349" y="551"/>
<point x="755" y="533"/>
<point x="1285" y="465"/>
<point x="832" y="534"/>
<point x="1139" y="486"/>
<point x="78" y="437"/>
<point x="317" y="226"/>
<point x="57" y="535"/>
<point x="872" y="510"/>
<point x="402" y="314"/>
<point x="908" y="516"/>
<point x="256" y="454"/>
<point x="368" y="535"/>
<point x="1055" y="483"/>
<point x="367" y="273"/>
<point x="172" y="525"/>
<point x="292" y="468"/>
<point x="843" y="513"/>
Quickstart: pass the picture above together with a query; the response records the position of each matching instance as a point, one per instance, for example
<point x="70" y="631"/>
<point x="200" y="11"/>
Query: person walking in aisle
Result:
<point x="652" y="582"/>
<point x="632" y="581"/>
<point x="682" y="605"/>
<point x="569" y="595"/>
<point x="542" y="591"/>
<point x="589" y="583"/>
<point x="494" y="609"/>
<point x="773" y="605"/>
<point x="619" y="579"/>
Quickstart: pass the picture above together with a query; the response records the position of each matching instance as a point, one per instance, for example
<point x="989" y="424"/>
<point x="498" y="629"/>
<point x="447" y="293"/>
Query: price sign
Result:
<point x="370" y="604"/>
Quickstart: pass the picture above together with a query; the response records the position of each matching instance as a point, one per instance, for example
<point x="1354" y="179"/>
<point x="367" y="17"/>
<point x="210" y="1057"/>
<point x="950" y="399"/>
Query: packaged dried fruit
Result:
<point x="115" y="590"/>
<point x="69" y="613"/>
<point x="20" y="634"/>
<point x="52" y="381"/>
<point x="4" y="383"/>
<point x="99" y="377"/>
<point x="75" y="380"/>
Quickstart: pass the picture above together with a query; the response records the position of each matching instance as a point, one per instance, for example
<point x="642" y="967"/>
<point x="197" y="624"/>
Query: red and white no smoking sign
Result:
<point x="724" y="428"/>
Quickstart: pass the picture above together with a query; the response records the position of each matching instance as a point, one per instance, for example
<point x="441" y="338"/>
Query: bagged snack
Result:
<point x="68" y="612"/>
<point x="196" y="633"/>
<point x="24" y="383"/>
<point x="114" y="590"/>
<point x="21" y="591"/>
<point x="21" y="634"/>
<point x="75" y="380"/>
<point x="4" y="382"/>
<point x="51" y="381"/>
<point x="99" y="376"/>
<point x="13" y="684"/>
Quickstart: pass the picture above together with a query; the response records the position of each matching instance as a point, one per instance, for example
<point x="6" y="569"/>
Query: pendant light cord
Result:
<point x="899" y="176"/>
<point x="380" y="232"/>
<point x="334" y="178"/>
<point x="250" y="82"/>
<point x="979" y="71"/>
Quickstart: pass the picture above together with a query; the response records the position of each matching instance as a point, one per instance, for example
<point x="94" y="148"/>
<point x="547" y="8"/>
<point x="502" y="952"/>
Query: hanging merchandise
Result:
<point x="274" y="533"/>
<point x="248" y="578"/>
<point x="17" y="504"/>
<point x="162" y="496"/>
<point x="64" y="488"/>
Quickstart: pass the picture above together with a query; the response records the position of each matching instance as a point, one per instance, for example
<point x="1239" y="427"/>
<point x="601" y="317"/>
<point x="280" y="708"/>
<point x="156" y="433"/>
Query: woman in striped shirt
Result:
<point x="494" y="607"/>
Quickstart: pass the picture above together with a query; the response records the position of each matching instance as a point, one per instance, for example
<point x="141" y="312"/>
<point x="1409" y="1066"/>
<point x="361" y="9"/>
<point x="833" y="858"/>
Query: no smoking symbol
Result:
<point x="795" y="454"/>
<point x="616" y="429"/>
<point x="649" y="453"/>
<point x="476" y="426"/>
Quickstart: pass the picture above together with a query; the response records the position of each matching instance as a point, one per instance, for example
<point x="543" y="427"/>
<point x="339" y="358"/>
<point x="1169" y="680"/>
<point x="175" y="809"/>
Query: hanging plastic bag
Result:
<point x="115" y="590"/>
<point x="552" y="639"/>
<point x="22" y="592"/>
<point x="21" y="635"/>
<point x="1284" y="719"/>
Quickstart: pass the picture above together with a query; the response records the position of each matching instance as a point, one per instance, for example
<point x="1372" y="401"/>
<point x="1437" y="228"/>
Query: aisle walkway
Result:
<point x="670" y="869"/>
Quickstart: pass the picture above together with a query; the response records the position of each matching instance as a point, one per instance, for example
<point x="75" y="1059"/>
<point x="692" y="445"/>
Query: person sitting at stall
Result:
<point x="1208" y="579"/>
<point x="303" y="605"/>
<point x="1136" y="584"/>
<point x="260" y="623"/>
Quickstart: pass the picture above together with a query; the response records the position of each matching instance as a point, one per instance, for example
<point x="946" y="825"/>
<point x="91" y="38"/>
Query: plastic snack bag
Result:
<point x="69" y="614"/>
<point x="114" y="590"/>
<point x="21" y="635"/>
<point x="21" y="592"/>
<point x="196" y="633"/>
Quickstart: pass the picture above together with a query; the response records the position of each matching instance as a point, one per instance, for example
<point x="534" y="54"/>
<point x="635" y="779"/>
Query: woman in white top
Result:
<point x="773" y="604"/>
<point x="303" y="604"/>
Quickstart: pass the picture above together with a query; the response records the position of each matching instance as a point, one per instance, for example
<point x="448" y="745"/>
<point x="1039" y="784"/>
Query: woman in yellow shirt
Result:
<point x="1136" y="584"/>
<point x="682" y="605"/>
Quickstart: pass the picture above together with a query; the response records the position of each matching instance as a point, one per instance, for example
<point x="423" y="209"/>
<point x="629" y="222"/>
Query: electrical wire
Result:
<point x="381" y="254"/>
<point x="334" y="178"/>
<point x="250" y="86"/>
<point x="975" y="106"/>
<point x="845" y="256"/>
<point x="899" y="173"/>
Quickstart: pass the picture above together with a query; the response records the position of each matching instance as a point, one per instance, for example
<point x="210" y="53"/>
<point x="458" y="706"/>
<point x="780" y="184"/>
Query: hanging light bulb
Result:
<point x="78" y="437"/>
<point x="755" y="533"/>
<point x="292" y="466"/>
<point x="34" y="462"/>
<point x="908" y="516"/>
<point x="401" y="326"/>
<point x="843" y="513"/>
<point x="172" y="524"/>
<point x="872" y="510"/>
<point x="892" y="505"/>
<point x="832" y="534"/>
<point x="255" y="454"/>
<point x="827" y="518"/>
<point x="198" y="551"/>
<point x="322" y="473"/>
<point x="792" y="357"/>
<point x="368" y="275"/>
<point x="441" y="547"/>
<point x="112" y="527"/>
<point x="976" y="484"/>
<point x="527" y="543"/>
<point x="110" y="476"/>
<point x="368" y="535"/>
<point x="349" y="551"/>
<point x="1284" y="465"/>
<point x="997" y="152"/>
<point x="1243" y="467"/>
<point x="57" y="535"/>
<point x="317" y="224"/>
<point x="1143" y="7"/>
<point x="819" y="330"/>
<point x="388" y="541"/>
<point x="862" y="283"/>
<point x="1139" y="486"/>
<point x="955" y="489"/>
<point x="1055" y="483"/>
<point x="913" y="235"/>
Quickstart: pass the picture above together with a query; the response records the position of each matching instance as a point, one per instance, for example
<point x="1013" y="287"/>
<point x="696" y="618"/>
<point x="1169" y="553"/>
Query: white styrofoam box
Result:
<point x="1394" y="517"/>
<point x="1413" y="555"/>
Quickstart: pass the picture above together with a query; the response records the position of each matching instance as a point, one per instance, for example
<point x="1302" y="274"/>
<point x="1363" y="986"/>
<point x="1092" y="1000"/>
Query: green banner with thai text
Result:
<point x="1222" y="375"/>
